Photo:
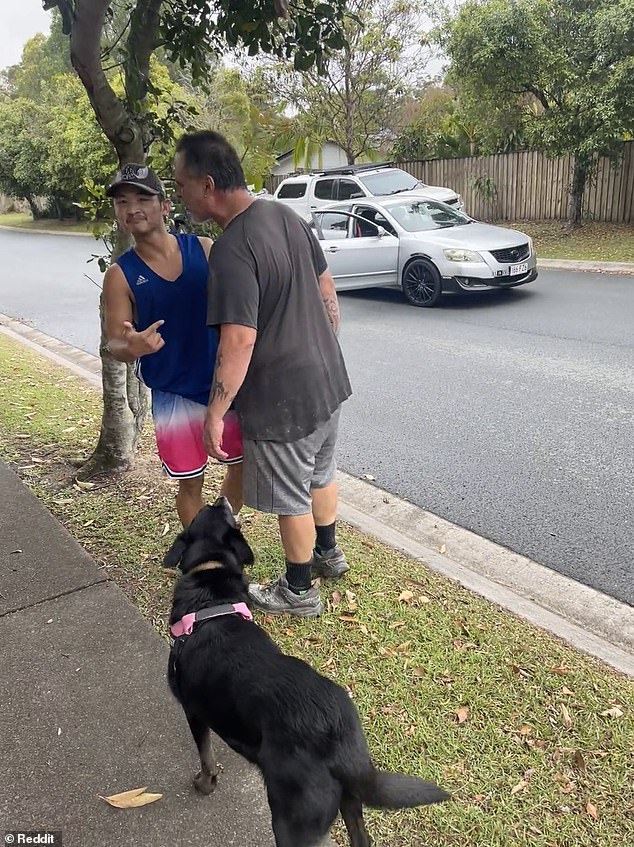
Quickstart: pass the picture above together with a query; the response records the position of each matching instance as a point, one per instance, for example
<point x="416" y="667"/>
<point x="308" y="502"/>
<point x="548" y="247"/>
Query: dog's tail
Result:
<point x="384" y="790"/>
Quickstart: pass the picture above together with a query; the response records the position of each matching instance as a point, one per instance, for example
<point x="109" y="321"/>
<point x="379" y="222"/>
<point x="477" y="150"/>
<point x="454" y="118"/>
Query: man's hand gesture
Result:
<point x="143" y="343"/>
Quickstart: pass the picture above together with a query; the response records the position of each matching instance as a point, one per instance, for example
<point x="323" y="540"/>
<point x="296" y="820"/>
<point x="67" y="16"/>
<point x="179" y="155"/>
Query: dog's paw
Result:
<point x="205" y="783"/>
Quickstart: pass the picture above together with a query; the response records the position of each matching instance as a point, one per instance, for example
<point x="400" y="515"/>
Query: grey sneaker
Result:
<point x="276" y="598"/>
<point x="330" y="564"/>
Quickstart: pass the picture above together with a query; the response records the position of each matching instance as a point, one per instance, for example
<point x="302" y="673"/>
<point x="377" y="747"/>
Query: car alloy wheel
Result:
<point x="421" y="283"/>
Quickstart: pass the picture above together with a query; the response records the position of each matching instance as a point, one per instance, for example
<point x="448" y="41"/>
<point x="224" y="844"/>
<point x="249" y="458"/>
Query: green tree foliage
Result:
<point x="443" y="124"/>
<point x="355" y="100"/>
<point x="568" y="63"/>
<point x="23" y="149"/>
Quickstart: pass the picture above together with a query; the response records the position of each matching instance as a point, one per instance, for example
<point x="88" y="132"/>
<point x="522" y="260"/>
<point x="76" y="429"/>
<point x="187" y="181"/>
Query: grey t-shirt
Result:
<point x="263" y="273"/>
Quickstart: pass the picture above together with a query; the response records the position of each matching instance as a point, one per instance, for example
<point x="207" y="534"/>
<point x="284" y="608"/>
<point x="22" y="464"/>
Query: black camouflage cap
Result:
<point x="139" y="176"/>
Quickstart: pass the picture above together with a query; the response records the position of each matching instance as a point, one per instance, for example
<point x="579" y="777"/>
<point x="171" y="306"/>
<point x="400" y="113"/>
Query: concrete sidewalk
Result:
<point x="85" y="708"/>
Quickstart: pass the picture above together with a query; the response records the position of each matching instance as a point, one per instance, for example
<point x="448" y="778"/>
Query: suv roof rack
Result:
<point x="354" y="169"/>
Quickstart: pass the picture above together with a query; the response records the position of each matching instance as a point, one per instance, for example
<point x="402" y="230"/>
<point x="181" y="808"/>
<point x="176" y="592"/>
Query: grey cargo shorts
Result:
<point x="277" y="477"/>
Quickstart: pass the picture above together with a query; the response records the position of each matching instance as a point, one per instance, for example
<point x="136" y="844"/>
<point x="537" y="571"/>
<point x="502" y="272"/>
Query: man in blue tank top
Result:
<point x="155" y="301"/>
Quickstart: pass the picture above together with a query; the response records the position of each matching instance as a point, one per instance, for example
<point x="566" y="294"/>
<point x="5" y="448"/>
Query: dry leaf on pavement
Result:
<point x="131" y="799"/>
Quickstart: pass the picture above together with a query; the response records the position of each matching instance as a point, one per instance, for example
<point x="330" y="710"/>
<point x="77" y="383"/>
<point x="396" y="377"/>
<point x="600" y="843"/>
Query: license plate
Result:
<point x="517" y="270"/>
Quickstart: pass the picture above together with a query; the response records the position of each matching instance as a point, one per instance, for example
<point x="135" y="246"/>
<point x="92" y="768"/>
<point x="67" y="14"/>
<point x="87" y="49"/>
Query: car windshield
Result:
<point x="425" y="215"/>
<point x="391" y="181"/>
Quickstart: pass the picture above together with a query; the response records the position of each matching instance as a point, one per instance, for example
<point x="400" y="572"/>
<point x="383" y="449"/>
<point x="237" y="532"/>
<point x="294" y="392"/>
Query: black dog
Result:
<point x="300" y="729"/>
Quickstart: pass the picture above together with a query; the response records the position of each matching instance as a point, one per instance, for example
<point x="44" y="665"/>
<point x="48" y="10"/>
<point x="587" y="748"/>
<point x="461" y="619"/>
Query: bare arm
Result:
<point x="124" y="343"/>
<point x="206" y="244"/>
<point x="232" y="363"/>
<point x="329" y="296"/>
<point x="234" y="356"/>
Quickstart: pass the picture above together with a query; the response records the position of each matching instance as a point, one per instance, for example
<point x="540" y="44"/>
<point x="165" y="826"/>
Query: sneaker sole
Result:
<point x="296" y="613"/>
<point x="330" y="573"/>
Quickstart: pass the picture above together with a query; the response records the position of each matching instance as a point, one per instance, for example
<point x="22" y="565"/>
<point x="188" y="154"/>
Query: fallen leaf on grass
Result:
<point x="566" y="716"/>
<point x="614" y="712"/>
<point x="462" y="714"/>
<point x="335" y="598"/>
<point x="579" y="761"/>
<point x="131" y="799"/>
<point x="348" y="618"/>
<point x="406" y="596"/>
<point x="591" y="809"/>
<point x="397" y="624"/>
<point x="520" y="671"/>
<point x="84" y="486"/>
<point x="521" y="785"/>
<point x="561" y="670"/>
<point x="166" y="529"/>
<point x="567" y="691"/>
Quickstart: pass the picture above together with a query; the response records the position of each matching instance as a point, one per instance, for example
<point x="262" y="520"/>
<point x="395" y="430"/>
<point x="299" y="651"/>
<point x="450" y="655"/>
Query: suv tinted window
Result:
<point x="292" y="190"/>
<point x="348" y="190"/>
<point x="389" y="181"/>
<point x="325" y="189"/>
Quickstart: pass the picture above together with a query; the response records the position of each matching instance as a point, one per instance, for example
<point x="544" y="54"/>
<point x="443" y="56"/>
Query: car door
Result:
<point x="381" y="250"/>
<point x="357" y="254"/>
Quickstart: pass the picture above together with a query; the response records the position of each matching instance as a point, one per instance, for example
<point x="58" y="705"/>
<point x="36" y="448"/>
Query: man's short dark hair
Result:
<point x="209" y="153"/>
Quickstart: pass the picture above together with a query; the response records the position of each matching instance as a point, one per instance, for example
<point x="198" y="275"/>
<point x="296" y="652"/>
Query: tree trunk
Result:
<point x="35" y="212"/>
<point x="577" y="189"/>
<point x="125" y="399"/>
<point x="349" y="145"/>
<point x="125" y="408"/>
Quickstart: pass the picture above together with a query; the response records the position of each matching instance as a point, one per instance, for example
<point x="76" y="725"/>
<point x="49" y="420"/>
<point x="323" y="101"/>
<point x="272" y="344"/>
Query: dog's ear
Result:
<point x="239" y="547"/>
<point x="175" y="553"/>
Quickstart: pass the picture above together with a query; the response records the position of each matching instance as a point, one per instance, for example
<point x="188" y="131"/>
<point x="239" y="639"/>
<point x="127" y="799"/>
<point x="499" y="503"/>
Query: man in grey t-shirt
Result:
<point x="279" y="362"/>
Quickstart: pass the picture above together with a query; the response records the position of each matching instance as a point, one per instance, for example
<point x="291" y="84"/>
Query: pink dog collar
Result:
<point x="185" y="625"/>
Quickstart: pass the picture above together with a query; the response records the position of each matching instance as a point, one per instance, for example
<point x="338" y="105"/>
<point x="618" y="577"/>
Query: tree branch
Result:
<point x="85" y="55"/>
<point x="142" y="41"/>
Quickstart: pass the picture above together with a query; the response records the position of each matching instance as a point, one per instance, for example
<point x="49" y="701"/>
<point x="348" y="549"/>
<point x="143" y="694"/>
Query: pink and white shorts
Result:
<point x="179" y="424"/>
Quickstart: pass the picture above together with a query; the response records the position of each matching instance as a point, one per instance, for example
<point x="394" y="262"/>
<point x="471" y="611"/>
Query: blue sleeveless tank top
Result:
<point x="185" y="365"/>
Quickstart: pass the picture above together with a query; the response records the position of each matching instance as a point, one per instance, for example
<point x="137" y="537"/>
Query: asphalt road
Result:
<point x="511" y="415"/>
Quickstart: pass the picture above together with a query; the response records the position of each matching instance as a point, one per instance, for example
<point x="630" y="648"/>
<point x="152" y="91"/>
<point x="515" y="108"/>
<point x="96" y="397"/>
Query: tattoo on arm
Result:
<point x="219" y="392"/>
<point x="332" y="309"/>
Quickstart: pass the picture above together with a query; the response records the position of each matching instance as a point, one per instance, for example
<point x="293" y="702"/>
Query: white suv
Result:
<point x="309" y="192"/>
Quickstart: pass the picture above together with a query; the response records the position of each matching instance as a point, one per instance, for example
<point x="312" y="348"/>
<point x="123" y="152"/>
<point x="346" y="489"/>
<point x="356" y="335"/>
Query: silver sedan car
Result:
<point x="424" y="247"/>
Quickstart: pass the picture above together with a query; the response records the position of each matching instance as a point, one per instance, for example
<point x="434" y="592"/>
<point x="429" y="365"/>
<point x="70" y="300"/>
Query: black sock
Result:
<point x="298" y="576"/>
<point x="326" y="536"/>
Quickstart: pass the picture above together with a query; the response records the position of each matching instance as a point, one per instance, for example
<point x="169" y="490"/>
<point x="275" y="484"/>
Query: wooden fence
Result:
<point x="529" y="186"/>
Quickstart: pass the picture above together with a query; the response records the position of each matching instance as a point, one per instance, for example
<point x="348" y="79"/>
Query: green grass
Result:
<point x="592" y="242"/>
<point x="534" y="762"/>
<point x="25" y="221"/>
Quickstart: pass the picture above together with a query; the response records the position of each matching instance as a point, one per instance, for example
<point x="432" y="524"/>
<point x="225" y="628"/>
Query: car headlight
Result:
<point x="457" y="255"/>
